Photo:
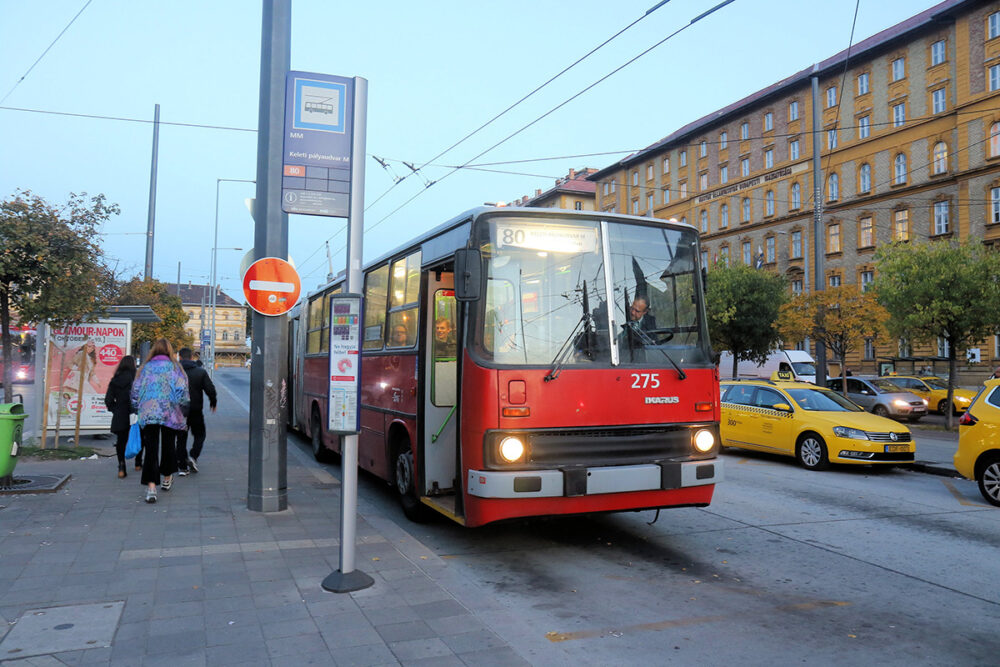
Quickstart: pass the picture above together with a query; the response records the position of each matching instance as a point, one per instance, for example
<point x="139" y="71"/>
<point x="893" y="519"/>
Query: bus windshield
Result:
<point x="547" y="296"/>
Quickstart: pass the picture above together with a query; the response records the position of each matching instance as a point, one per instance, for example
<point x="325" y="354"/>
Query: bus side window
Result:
<point x="404" y="292"/>
<point x="445" y="363"/>
<point x="376" y="290"/>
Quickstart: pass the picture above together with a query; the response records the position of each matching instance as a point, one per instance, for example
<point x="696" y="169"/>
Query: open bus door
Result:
<point x="438" y="464"/>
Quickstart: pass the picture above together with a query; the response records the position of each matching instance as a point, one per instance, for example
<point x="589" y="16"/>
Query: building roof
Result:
<point x="863" y="49"/>
<point x="574" y="183"/>
<point x="191" y="294"/>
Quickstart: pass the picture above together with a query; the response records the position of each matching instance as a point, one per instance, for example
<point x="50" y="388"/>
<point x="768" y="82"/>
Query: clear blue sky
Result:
<point x="436" y="71"/>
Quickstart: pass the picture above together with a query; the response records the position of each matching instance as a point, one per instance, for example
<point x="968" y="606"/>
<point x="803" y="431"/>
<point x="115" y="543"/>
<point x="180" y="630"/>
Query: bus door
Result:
<point x="440" y="386"/>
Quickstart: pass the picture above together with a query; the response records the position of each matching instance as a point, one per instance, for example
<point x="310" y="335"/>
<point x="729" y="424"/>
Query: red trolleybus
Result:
<point x="527" y="362"/>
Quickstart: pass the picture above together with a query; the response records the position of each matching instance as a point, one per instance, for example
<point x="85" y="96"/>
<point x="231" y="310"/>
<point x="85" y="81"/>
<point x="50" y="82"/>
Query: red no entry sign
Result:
<point x="271" y="286"/>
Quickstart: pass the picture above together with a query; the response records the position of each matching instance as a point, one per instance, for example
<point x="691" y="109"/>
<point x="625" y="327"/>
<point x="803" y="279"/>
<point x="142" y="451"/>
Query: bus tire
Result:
<point x="405" y="483"/>
<point x="320" y="453"/>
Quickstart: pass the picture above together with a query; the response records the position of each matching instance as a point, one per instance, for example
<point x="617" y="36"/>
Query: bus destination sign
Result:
<point x="547" y="238"/>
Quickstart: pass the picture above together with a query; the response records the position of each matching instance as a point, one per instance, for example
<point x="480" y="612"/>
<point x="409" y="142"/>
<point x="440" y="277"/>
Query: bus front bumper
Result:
<point x="593" y="481"/>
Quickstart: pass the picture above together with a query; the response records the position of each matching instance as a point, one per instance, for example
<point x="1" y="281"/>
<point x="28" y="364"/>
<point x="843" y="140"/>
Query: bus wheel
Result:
<point x="316" y="430"/>
<point x="406" y="485"/>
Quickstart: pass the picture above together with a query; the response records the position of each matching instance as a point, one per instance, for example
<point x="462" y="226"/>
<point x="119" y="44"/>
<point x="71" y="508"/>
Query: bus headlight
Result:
<point x="511" y="449"/>
<point x="704" y="440"/>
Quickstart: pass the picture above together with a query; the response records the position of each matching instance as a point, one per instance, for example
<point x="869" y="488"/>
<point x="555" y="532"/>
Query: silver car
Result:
<point x="882" y="397"/>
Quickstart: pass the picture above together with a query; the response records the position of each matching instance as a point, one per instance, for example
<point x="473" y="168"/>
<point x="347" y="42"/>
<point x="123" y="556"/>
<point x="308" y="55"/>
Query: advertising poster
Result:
<point x="80" y="362"/>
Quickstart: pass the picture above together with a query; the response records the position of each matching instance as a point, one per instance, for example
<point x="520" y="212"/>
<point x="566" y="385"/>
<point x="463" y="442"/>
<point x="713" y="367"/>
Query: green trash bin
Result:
<point x="11" y="432"/>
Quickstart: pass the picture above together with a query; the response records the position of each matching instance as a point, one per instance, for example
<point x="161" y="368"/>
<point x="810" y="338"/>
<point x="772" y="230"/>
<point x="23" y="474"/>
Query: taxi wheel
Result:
<point x="988" y="477"/>
<point x="880" y="411"/>
<point x="943" y="406"/>
<point x="811" y="452"/>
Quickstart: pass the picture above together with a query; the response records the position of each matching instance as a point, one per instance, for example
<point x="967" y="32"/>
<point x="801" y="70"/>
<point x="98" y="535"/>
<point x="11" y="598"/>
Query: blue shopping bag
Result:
<point x="134" y="445"/>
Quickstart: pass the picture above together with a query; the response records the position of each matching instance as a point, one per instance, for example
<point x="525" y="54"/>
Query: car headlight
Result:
<point x="21" y="374"/>
<point x="925" y="402"/>
<point x="961" y="399"/>
<point x="704" y="440"/>
<point x="848" y="432"/>
<point x="511" y="449"/>
<point x="900" y="403"/>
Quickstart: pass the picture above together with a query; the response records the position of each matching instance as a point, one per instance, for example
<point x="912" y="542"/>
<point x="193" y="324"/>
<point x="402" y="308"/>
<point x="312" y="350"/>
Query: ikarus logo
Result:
<point x="662" y="400"/>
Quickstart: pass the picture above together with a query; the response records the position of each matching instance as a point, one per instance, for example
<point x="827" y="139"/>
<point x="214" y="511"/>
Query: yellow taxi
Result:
<point x="933" y="390"/>
<point x="815" y="425"/>
<point x="978" y="455"/>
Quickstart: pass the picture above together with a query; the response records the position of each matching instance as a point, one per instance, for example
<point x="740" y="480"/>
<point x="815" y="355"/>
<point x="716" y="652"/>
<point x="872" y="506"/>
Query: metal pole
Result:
<point x="151" y="222"/>
<point x="211" y="298"/>
<point x="348" y="579"/>
<point x="818" y="236"/>
<point x="267" y="488"/>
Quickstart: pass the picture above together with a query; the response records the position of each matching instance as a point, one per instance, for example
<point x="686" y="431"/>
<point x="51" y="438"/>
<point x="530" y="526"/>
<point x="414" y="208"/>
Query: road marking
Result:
<point x="959" y="496"/>
<point x="681" y="622"/>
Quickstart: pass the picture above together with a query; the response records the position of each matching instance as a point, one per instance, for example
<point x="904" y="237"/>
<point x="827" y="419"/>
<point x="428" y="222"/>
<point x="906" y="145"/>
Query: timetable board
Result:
<point x="343" y="415"/>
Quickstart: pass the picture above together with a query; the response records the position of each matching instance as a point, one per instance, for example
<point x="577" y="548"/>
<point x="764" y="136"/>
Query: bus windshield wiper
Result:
<point x="647" y="340"/>
<point x="567" y="345"/>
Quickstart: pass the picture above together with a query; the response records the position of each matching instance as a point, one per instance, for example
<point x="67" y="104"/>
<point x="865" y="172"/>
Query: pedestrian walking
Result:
<point x="199" y="384"/>
<point x="118" y="402"/>
<point x="996" y="373"/>
<point x="160" y="396"/>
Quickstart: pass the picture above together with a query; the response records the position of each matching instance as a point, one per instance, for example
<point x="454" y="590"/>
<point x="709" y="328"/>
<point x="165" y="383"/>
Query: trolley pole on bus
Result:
<point x="267" y="487"/>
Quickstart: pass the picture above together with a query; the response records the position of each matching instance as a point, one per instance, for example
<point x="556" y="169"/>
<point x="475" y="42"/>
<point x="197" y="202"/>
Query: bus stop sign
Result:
<point x="271" y="286"/>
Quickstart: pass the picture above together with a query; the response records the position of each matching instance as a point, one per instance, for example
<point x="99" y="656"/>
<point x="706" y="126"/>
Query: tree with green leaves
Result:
<point x="941" y="289"/>
<point x="154" y="294"/>
<point x="50" y="263"/>
<point x="839" y="317"/>
<point x="743" y="305"/>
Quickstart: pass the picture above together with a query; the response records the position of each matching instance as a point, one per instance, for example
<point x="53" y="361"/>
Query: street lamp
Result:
<point x="215" y="249"/>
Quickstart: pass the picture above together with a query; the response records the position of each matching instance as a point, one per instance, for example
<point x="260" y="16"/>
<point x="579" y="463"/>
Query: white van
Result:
<point x="802" y="366"/>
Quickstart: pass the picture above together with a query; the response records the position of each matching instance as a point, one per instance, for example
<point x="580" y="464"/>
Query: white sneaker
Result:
<point x="150" y="495"/>
<point x="192" y="465"/>
<point x="182" y="473"/>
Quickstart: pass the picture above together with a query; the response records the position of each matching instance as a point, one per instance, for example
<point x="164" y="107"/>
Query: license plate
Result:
<point x="893" y="449"/>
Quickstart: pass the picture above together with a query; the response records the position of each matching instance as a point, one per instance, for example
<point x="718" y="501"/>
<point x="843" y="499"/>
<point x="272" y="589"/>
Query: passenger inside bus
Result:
<point x="444" y="339"/>
<point x="400" y="336"/>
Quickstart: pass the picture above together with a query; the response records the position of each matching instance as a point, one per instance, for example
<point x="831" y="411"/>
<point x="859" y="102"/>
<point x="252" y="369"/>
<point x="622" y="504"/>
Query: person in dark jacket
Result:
<point x="198" y="382"/>
<point x="118" y="404"/>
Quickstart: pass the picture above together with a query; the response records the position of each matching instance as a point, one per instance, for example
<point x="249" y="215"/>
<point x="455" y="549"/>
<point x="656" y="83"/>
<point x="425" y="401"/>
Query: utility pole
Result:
<point x="267" y="487"/>
<point x="818" y="235"/>
<point x="151" y="219"/>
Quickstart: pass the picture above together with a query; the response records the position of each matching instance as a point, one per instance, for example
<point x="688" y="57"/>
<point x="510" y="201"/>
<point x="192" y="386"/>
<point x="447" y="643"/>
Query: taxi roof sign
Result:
<point x="782" y="376"/>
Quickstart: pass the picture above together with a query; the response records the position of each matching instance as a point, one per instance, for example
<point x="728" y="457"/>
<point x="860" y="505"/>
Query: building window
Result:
<point x="704" y="258"/>
<point x="683" y="156"/>
<point x="723" y="141"/>
<point x="747" y="259"/>
<point x="614" y="185"/>
<point x="796" y="245"/>
<point x="666" y="195"/>
<point x="831" y="139"/>
<point x="768" y="158"/>
<point x="835" y="280"/>
<point x="225" y="335"/>
<point x="649" y="204"/>
<point x="898" y="114"/>
<point x="941" y="217"/>
<point x="899" y="169"/>
<point x="746" y="209"/>
<point x="635" y="207"/>
<point x="666" y="165"/>
<point x="995" y="204"/>
<point x="833" y="238"/>
<point x="904" y="348"/>
<point x="863" y="83"/>
<point x="703" y="149"/>
<point x="769" y="245"/>
<point x="768" y="121"/>
<point x="864" y="127"/>
<point x="745" y="167"/>
<point x="724" y="255"/>
<point x="938" y="104"/>
<point x="937" y="52"/>
<point x="942" y="347"/>
<point x="793" y="149"/>
<point x="898" y="69"/>
<point x="796" y="286"/>
<point x="769" y="203"/>
<point x="723" y="216"/>
<point x="724" y="174"/>
<point x="994" y="77"/>
<point x="869" y="349"/>
<point x="994" y="25"/>
<point x="578" y="205"/>
<point x="704" y="222"/>
<point x="901" y="226"/>
<point x="793" y="110"/>
<point x="995" y="140"/>
<point x="796" y="195"/>
<point x="865" y="178"/>
<point x="940" y="157"/>
<point x="831" y="97"/>
<point x="635" y="178"/>
<point x="745" y="131"/>
<point x="649" y="172"/>
<point x="703" y="181"/>
<point x="833" y="187"/>
<point x="684" y="189"/>
<point x="606" y="188"/>
<point x="866" y="233"/>
<point x="867" y="277"/>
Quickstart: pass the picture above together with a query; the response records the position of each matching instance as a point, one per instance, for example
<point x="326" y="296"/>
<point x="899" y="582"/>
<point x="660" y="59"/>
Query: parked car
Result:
<point x="797" y="362"/>
<point x="978" y="454"/>
<point x="933" y="390"/>
<point x="813" y="424"/>
<point x="881" y="397"/>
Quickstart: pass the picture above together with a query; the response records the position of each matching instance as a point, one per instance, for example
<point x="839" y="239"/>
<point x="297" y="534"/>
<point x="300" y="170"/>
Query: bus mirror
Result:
<point x="468" y="274"/>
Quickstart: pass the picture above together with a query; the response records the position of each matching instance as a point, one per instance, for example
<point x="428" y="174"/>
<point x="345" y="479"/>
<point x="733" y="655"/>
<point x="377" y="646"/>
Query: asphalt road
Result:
<point x="847" y="566"/>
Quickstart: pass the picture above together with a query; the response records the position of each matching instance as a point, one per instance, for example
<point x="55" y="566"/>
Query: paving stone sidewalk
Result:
<point x="92" y="575"/>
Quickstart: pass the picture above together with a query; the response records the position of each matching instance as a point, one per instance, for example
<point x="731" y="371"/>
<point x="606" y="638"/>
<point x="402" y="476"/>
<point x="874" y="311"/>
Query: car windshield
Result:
<point x="818" y="400"/>
<point x="804" y="368"/>
<point x="886" y="386"/>
<point x="936" y="383"/>
<point x="547" y="301"/>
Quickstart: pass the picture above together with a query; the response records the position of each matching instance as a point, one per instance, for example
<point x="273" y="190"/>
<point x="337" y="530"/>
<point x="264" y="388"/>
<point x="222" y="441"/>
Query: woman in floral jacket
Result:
<point x="160" y="395"/>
